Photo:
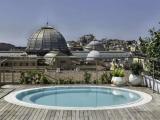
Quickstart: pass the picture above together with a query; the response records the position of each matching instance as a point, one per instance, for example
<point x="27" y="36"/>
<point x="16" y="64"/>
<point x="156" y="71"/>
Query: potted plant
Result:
<point x="135" y="78"/>
<point x="118" y="77"/>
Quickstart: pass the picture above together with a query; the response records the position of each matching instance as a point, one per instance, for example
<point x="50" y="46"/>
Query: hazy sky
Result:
<point x="123" y="19"/>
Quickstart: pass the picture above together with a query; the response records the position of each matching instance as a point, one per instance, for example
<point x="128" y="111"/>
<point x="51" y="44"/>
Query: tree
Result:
<point x="143" y="45"/>
<point x="153" y="49"/>
<point x="151" y="45"/>
<point x="85" y="39"/>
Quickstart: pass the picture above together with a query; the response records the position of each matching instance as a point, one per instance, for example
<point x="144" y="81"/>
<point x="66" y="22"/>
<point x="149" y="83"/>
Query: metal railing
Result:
<point x="152" y="75"/>
<point x="58" y="68"/>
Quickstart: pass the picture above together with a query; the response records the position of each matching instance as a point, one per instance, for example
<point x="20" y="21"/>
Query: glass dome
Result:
<point x="47" y="39"/>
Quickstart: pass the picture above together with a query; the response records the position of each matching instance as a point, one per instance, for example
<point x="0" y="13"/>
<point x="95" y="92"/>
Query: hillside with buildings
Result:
<point x="89" y="42"/>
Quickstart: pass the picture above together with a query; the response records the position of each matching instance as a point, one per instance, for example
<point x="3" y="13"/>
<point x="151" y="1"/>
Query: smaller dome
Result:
<point x="93" y="55"/>
<point x="94" y="42"/>
<point x="95" y="45"/>
<point x="24" y="54"/>
<point x="49" y="57"/>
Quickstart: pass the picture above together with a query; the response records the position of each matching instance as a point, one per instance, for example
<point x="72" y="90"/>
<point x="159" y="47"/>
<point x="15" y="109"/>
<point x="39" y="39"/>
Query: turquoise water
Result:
<point x="78" y="96"/>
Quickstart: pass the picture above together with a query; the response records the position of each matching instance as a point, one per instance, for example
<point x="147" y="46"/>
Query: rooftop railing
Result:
<point x="60" y="68"/>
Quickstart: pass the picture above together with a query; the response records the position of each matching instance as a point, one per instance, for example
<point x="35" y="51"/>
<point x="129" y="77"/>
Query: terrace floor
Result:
<point x="149" y="111"/>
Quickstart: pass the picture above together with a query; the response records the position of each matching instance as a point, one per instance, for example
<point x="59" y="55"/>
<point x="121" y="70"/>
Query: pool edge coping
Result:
<point x="145" y="98"/>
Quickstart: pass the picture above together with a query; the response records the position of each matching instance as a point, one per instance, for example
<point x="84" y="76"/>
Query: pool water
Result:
<point x="79" y="96"/>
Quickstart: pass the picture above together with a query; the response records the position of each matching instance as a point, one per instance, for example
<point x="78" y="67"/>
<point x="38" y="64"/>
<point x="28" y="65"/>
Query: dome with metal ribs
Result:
<point x="45" y="40"/>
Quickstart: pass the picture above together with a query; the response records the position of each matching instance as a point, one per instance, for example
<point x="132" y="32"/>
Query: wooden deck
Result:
<point x="150" y="111"/>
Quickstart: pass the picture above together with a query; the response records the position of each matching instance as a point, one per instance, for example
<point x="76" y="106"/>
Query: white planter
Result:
<point x="135" y="79"/>
<point x="118" y="81"/>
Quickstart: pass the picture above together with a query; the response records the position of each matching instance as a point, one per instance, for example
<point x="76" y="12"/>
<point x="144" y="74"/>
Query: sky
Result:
<point x="122" y="19"/>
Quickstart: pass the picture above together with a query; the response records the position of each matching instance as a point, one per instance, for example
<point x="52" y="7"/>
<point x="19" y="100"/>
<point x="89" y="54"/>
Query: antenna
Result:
<point x="47" y="23"/>
<point x="94" y="45"/>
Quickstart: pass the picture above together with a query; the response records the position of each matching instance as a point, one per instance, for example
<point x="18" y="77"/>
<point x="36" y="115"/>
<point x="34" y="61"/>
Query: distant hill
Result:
<point x="6" y="46"/>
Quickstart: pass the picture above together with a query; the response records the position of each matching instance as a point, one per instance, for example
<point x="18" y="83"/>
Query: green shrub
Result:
<point x="62" y="81"/>
<point x="136" y="68"/>
<point x="33" y="77"/>
<point x="118" y="72"/>
<point x="57" y="81"/>
<point x="78" y="82"/>
<point x="95" y="81"/>
<point x="70" y="81"/>
<point x="22" y="78"/>
<point x="87" y="77"/>
<point x="44" y="80"/>
<point x="106" y="78"/>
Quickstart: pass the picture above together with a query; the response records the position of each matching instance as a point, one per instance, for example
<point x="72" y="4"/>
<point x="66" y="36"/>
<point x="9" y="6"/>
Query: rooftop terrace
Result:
<point x="149" y="111"/>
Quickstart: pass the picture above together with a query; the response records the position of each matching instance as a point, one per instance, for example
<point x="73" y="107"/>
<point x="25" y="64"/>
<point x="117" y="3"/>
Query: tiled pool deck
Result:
<point x="149" y="111"/>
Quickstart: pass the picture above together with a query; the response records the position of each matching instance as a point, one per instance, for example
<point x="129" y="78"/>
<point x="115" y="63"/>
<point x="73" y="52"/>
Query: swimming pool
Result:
<point x="78" y="97"/>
